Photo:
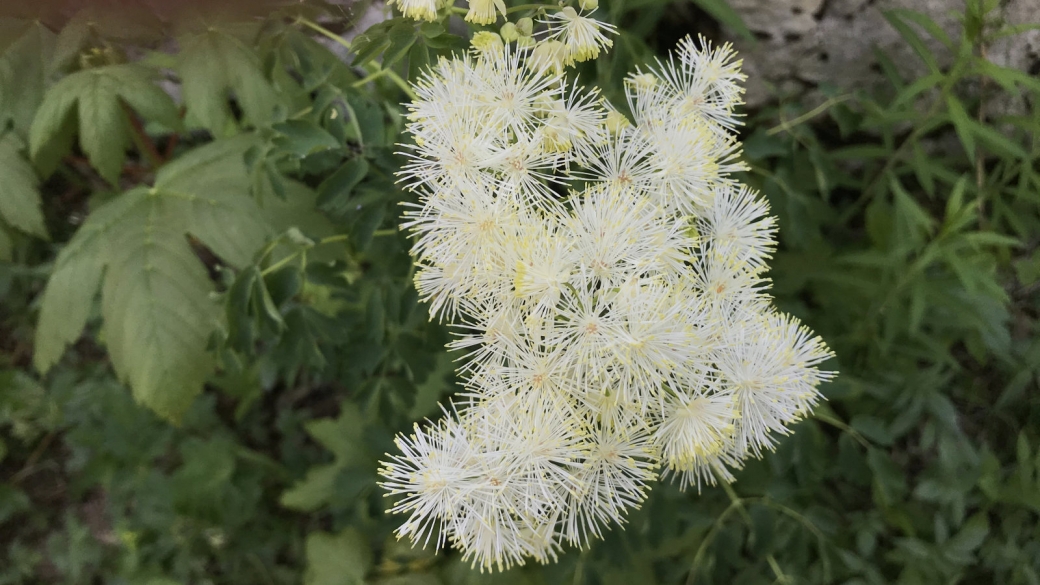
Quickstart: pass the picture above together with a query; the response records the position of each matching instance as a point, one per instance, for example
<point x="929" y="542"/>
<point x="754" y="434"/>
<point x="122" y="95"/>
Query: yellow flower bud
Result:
<point x="616" y="122"/>
<point x="487" y="42"/>
<point x="525" y="26"/>
<point x="549" y="54"/>
<point x="509" y="32"/>
<point x="588" y="4"/>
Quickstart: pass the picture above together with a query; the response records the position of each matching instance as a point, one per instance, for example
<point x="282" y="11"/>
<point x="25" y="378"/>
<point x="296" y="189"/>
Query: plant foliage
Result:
<point x="209" y="334"/>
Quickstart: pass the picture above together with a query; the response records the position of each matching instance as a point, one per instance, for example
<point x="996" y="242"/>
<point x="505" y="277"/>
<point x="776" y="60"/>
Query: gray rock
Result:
<point x="805" y="43"/>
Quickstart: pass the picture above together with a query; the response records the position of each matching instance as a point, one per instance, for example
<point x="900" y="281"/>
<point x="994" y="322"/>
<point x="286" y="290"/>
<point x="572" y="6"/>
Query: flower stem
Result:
<point x="323" y="31"/>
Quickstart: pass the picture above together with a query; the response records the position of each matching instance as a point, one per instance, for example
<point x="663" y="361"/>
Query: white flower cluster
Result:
<point x="608" y="280"/>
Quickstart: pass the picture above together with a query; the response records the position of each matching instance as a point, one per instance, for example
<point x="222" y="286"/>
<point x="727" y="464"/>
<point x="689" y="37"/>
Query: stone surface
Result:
<point x="805" y="43"/>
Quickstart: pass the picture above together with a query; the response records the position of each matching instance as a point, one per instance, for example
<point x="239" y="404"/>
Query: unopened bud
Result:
<point x="487" y="42"/>
<point x="509" y="32"/>
<point x="525" y="26"/>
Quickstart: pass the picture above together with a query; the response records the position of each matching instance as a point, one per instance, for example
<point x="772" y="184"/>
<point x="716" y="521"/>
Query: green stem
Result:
<point x="785" y="125"/>
<point x="919" y="130"/>
<point x="523" y="7"/>
<point x="781" y="577"/>
<point x="345" y="43"/>
<point x="708" y="538"/>
<point x="844" y="427"/>
<point x="333" y="239"/>
<point x="402" y="84"/>
<point x="280" y="264"/>
<point x="369" y="78"/>
<point x="323" y="31"/>
<point x="301" y="252"/>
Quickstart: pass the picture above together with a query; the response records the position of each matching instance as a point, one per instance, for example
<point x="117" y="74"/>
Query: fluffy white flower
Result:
<point x="606" y="280"/>
<point x="583" y="38"/>
<point x="738" y="227"/>
<point x="769" y="365"/>
<point x="484" y="11"/>
<point x="418" y="9"/>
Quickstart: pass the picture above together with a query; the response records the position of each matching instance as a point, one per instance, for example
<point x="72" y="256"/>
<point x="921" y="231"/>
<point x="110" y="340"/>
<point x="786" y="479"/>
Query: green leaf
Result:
<point x="103" y="128"/>
<point x="68" y="297"/>
<point x="721" y="11"/>
<point x="6" y="244"/>
<point x="923" y="21"/>
<point x="156" y="296"/>
<point x="314" y="490"/>
<point x="895" y="18"/>
<point x="959" y="549"/>
<point x="213" y="63"/>
<point x="207" y="469"/>
<point x="301" y="138"/>
<point x="342" y="436"/>
<point x="340" y="559"/>
<point x="401" y="36"/>
<point x="23" y="75"/>
<point x="997" y="141"/>
<point x="1028" y="269"/>
<point x="873" y="428"/>
<point x="19" y="189"/>
<point x="962" y="124"/>
<point x="334" y="192"/>
<point x="889" y="482"/>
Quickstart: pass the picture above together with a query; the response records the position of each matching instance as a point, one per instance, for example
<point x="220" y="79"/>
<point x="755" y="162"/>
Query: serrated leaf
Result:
<point x="23" y="75"/>
<point x="341" y="559"/>
<point x="156" y="307"/>
<point x="156" y="302"/>
<point x="68" y="297"/>
<point x="99" y="95"/>
<point x="19" y="189"/>
<point x="213" y="63"/>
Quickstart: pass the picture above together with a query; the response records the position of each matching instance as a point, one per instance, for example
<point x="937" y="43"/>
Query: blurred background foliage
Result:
<point x="256" y="342"/>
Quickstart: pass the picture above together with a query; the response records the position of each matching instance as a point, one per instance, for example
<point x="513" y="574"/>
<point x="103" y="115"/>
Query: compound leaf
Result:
<point x="156" y="296"/>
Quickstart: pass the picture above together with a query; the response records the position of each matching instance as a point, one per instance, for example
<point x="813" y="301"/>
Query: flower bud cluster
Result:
<point x="607" y="278"/>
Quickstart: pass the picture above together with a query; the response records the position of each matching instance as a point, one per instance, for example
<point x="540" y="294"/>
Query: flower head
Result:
<point x="583" y="38"/>
<point x="484" y="11"/>
<point x="418" y="9"/>
<point x="606" y="280"/>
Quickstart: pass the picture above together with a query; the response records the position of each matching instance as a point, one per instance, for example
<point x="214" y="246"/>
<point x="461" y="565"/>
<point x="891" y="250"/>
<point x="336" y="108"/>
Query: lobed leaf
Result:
<point x="213" y="63"/>
<point x="156" y="302"/>
<point x="98" y="96"/>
